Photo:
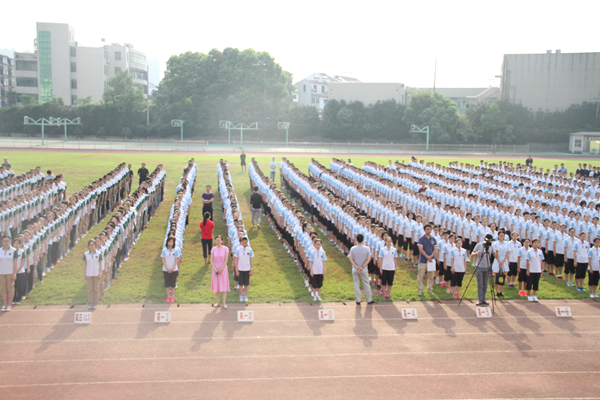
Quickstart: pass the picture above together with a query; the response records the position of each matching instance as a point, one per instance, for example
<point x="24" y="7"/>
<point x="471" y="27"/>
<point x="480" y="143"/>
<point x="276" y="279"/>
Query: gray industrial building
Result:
<point x="551" y="81"/>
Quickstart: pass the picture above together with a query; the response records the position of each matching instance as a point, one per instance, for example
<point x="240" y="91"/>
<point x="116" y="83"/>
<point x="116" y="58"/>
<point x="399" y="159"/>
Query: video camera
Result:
<point x="487" y="242"/>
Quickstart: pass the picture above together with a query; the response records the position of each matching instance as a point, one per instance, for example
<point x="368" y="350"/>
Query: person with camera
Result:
<point x="482" y="254"/>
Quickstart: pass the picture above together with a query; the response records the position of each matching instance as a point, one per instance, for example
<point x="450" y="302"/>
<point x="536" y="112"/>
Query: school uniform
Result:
<point x="570" y="264"/>
<point x="459" y="257"/>
<point x="93" y="263"/>
<point x="170" y="256"/>
<point x="513" y="256"/>
<point x="559" y="248"/>
<point x="582" y="249"/>
<point x="535" y="258"/>
<point x="317" y="259"/>
<point x="388" y="265"/>
<point x="594" y="266"/>
<point x="523" y="264"/>
<point x="243" y="255"/>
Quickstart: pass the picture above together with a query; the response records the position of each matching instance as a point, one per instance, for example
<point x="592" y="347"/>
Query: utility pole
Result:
<point x="148" y="96"/>
<point x="434" y="74"/>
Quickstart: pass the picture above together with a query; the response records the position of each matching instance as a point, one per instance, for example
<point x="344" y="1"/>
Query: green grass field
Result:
<point x="276" y="277"/>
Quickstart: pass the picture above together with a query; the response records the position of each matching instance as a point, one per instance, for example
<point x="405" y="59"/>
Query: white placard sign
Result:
<point x="326" y="315"/>
<point x="563" y="312"/>
<point x="245" y="316"/>
<point x="83" y="318"/>
<point x="409" y="313"/>
<point x="162" y="316"/>
<point x="484" y="312"/>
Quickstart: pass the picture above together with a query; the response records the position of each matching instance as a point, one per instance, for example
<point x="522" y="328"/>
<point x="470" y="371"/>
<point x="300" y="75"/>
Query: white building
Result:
<point x="581" y="142"/>
<point x="7" y="79"/>
<point x="65" y="69"/>
<point x="314" y="89"/>
<point x="368" y="93"/>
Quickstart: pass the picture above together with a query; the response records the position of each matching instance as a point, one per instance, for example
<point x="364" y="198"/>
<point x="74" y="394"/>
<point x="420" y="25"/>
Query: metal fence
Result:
<point x="279" y="147"/>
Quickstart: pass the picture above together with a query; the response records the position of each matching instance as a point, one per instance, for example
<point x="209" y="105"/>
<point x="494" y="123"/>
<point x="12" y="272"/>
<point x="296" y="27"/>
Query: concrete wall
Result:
<point x="551" y="82"/>
<point x="368" y="93"/>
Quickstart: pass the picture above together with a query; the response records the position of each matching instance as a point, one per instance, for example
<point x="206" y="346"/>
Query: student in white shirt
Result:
<point x="388" y="257"/>
<point x="458" y="258"/>
<point x="522" y="261"/>
<point x="317" y="269"/>
<point x="594" y="268"/>
<point x="580" y="257"/>
<point x="171" y="259"/>
<point x="559" y="250"/>
<point x="242" y="262"/>
<point x="514" y="245"/>
<point x="91" y="271"/>
<point x="534" y="269"/>
<point x="570" y="264"/>
<point x="21" y="281"/>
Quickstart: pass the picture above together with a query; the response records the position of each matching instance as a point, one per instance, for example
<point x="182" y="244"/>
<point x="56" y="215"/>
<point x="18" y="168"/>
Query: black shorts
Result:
<point x="415" y="249"/>
<point x="244" y="278"/>
<point x="407" y="243"/>
<point x="448" y="274"/>
<point x="559" y="260"/>
<point x="473" y="244"/>
<point x="550" y="258"/>
<point x="440" y="268"/>
<point x="467" y="244"/>
<point x="581" y="270"/>
<point x="317" y="281"/>
<point x="594" y="277"/>
<point x="401" y="242"/>
<point x="534" y="281"/>
<point x="372" y="268"/>
<point x="522" y="275"/>
<point x="171" y="279"/>
<point x="457" y="279"/>
<point x="569" y="266"/>
<point x="387" y="278"/>
<point x="513" y="269"/>
<point x="243" y="163"/>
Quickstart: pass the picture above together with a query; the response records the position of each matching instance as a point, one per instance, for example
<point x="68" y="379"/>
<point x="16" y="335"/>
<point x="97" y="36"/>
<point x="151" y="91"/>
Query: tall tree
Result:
<point x="122" y="95"/>
<point x="435" y="111"/>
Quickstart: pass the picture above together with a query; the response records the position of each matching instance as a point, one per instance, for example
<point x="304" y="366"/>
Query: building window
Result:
<point x="105" y="54"/>
<point x="138" y="74"/>
<point x="105" y="85"/>
<point x="577" y="143"/>
<point x="314" y="88"/>
<point x="322" y="89"/>
<point x="73" y="83"/>
<point x="117" y="70"/>
<point x="74" y="100"/>
<point x="137" y="59"/>
<point x="117" y="56"/>
<point x="23" y="65"/>
<point x="27" y="82"/>
<point x="73" y="51"/>
<point x="305" y="88"/>
<point x="45" y="61"/>
<point x="106" y="70"/>
<point x="73" y="67"/>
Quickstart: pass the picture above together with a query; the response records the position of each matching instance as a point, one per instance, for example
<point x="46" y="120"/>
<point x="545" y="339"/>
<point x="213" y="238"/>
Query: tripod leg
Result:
<point x="467" y="288"/>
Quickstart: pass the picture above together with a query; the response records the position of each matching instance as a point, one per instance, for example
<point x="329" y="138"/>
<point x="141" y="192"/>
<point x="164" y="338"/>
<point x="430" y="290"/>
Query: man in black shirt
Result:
<point x="256" y="204"/>
<point x="243" y="161"/>
<point x="529" y="161"/>
<point x="143" y="173"/>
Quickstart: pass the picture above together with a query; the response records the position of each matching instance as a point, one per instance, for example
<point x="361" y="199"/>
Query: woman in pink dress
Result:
<point x="220" y="275"/>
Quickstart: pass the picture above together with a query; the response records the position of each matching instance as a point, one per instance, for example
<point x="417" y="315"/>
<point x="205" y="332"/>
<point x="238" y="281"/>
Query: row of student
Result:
<point x="403" y="191"/>
<point x="111" y="247"/>
<point x="238" y="242"/>
<point x="374" y="255"/>
<point x="17" y="212"/>
<point x="296" y="233"/>
<point x="11" y="185"/>
<point x="6" y="172"/>
<point x="463" y="225"/>
<point x="48" y="239"/>
<point x="176" y="226"/>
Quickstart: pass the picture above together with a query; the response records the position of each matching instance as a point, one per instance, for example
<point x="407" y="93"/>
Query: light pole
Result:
<point x="416" y="129"/>
<point x="178" y="123"/>
<point x="286" y="126"/>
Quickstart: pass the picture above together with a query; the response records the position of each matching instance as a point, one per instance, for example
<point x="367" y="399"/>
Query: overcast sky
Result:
<point x="374" y="41"/>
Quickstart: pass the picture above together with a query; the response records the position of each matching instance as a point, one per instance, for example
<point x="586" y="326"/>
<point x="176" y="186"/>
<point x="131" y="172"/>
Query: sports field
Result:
<point x="276" y="277"/>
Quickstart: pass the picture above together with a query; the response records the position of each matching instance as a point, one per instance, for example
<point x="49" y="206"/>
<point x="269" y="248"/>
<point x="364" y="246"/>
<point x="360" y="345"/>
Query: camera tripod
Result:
<point x="492" y="286"/>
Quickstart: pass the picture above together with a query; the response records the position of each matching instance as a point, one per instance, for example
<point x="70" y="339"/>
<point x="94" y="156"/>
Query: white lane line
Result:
<point x="572" y="319"/>
<point x="320" y="355"/>
<point x="374" y="335"/>
<point x="301" y="378"/>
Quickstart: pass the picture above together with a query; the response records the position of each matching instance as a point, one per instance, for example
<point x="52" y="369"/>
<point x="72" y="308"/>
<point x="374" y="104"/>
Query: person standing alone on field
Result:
<point x="273" y="165"/>
<point x="243" y="161"/>
<point x="207" y="200"/>
<point x="427" y="252"/>
<point x="207" y="227"/>
<point x="92" y="260"/>
<point x="256" y="204"/>
<point x="360" y="256"/>
<point x="143" y="173"/>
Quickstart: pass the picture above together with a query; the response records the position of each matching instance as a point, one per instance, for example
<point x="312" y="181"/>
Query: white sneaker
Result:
<point x="3" y="308"/>
<point x="592" y="296"/>
<point x="437" y="280"/>
<point x="529" y="298"/>
<point x="535" y="299"/>
<point x="241" y="298"/>
<point x="245" y="298"/>
<point x="319" y="298"/>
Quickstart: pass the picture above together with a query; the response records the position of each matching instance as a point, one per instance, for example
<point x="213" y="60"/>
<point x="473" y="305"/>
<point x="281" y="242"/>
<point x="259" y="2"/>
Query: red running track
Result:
<point x="524" y="351"/>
